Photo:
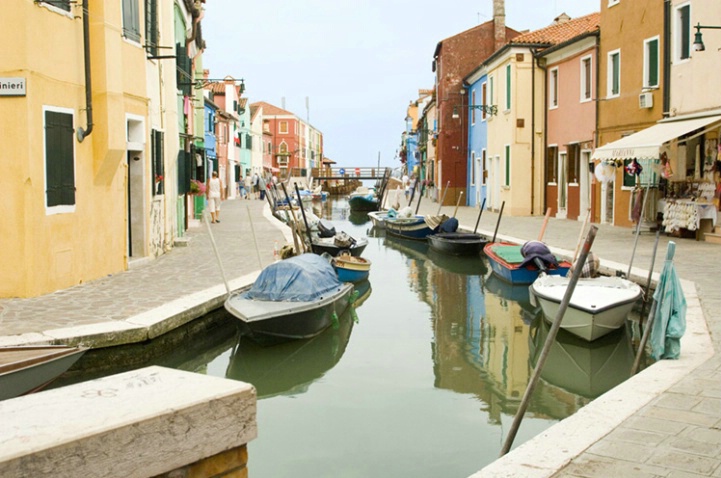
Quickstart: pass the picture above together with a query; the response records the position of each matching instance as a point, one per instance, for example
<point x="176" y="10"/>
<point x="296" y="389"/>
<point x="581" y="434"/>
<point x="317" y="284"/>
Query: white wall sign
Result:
<point x="12" y="86"/>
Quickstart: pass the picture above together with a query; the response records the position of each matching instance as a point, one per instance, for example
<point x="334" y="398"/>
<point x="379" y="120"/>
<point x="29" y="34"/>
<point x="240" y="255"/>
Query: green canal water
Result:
<point x="425" y="383"/>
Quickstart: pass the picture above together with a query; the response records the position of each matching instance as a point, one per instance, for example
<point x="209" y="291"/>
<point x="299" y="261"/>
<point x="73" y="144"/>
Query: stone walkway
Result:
<point x="665" y="422"/>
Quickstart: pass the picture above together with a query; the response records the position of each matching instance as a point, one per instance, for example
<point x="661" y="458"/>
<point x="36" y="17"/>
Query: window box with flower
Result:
<point x="159" y="189"/>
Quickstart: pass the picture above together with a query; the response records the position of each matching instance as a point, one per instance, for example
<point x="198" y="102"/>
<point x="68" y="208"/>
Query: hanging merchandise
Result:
<point x="634" y="168"/>
<point x="605" y="172"/>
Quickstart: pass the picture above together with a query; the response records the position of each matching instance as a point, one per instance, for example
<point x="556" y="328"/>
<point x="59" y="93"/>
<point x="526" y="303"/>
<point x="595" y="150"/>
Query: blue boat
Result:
<point x="350" y="268"/>
<point x="508" y="263"/>
<point x="416" y="228"/>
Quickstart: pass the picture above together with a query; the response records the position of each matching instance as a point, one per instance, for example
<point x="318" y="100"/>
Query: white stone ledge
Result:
<point x="135" y="424"/>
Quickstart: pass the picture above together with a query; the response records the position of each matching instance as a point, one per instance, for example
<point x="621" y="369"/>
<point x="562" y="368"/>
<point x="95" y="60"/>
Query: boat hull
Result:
<point x="321" y="246"/>
<point x="514" y="273"/>
<point x="351" y="269"/>
<point x="362" y="203"/>
<point x="268" y="321"/>
<point x="26" y="369"/>
<point x="378" y="219"/>
<point x="457" y="243"/>
<point x="411" y="228"/>
<point x="597" y="307"/>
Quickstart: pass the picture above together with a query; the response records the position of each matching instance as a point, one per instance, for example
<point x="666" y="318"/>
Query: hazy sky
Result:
<point x="359" y="62"/>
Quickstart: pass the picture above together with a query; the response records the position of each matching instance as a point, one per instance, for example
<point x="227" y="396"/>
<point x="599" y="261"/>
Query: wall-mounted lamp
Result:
<point x="698" y="38"/>
<point x="488" y="109"/>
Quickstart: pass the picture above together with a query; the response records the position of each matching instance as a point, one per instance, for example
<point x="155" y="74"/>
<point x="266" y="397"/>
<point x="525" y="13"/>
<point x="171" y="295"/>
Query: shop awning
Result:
<point x="646" y="144"/>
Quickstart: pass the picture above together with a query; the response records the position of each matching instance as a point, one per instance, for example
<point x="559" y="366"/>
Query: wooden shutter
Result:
<point x="653" y="63"/>
<point x="131" y="20"/>
<point x="573" y="166"/>
<point x="59" y="161"/>
<point x="551" y="164"/>
<point x="157" y="142"/>
<point x="151" y="27"/>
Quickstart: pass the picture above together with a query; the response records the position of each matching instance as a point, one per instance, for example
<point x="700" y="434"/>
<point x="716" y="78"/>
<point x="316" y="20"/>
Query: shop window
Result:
<point x="59" y="160"/>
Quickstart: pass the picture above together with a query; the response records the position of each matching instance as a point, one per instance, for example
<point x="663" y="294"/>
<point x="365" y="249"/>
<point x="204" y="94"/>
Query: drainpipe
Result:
<point x="537" y="62"/>
<point x="666" y="58"/>
<point x="83" y="133"/>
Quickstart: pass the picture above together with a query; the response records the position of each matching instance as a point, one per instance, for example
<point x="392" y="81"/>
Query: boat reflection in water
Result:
<point x="358" y="218"/>
<point x="467" y="265"/>
<point x="580" y="367"/>
<point x="514" y="293"/>
<point x="291" y="367"/>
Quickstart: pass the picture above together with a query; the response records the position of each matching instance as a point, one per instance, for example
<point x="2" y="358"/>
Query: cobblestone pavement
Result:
<point x="665" y="422"/>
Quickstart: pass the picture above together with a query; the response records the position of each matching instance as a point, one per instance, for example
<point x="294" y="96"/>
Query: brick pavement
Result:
<point x="665" y="422"/>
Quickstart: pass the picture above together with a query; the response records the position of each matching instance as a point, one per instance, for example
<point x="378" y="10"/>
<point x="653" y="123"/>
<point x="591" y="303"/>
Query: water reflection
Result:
<point x="291" y="367"/>
<point x="579" y="367"/>
<point x="467" y="265"/>
<point x="358" y="218"/>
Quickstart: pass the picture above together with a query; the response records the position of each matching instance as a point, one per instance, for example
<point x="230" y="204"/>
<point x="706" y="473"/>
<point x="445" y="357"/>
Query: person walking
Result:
<point x="213" y="193"/>
<point x="256" y="186"/>
<point x="248" y="185"/>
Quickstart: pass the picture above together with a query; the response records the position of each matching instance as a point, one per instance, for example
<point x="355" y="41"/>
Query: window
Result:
<point x="508" y="165"/>
<point x="552" y="164"/>
<point x="586" y="77"/>
<point x="573" y="166"/>
<point x="473" y="110"/>
<point x="484" y="99"/>
<point x="491" y="97"/>
<point x="683" y="32"/>
<point x="157" y="163"/>
<point x="508" y="87"/>
<point x="614" y="74"/>
<point x="59" y="160"/>
<point x="473" y="168"/>
<point x="248" y="141"/>
<point x="650" y="63"/>
<point x="60" y="4"/>
<point x="131" y="20"/>
<point x="151" y="27"/>
<point x="283" y="128"/>
<point x="484" y="168"/>
<point x="553" y="88"/>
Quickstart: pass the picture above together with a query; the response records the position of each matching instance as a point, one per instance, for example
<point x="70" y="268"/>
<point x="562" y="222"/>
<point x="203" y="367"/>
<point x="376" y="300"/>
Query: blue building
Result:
<point x="478" y="93"/>
<point x="211" y="110"/>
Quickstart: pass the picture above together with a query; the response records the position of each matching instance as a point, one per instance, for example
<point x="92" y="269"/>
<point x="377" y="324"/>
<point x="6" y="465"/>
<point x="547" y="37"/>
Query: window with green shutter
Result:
<point x="157" y="163"/>
<point x="651" y="67"/>
<point x="683" y="31"/>
<point x="59" y="159"/>
<point x="508" y="87"/>
<point x="508" y="165"/>
<point x="614" y="73"/>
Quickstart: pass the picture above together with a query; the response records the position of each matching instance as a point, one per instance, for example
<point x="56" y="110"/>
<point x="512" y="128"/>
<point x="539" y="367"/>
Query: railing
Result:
<point x="349" y="173"/>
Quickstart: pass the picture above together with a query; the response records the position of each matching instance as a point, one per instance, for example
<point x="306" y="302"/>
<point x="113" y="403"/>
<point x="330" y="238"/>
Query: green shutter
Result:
<point x="616" y="71"/>
<point x="653" y="63"/>
<point x="151" y="27"/>
<point x="508" y="87"/>
<point x="508" y="165"/>
<point x="59" y="161"/>
<point x="685" y="32"/>
<point x="158" y="153"/>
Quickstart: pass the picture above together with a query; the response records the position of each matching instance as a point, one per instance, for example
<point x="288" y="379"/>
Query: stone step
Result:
<point x="713" y="238"/>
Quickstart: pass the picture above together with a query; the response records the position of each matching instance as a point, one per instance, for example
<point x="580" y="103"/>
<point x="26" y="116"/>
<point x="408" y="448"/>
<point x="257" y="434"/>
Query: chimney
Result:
<point x="499" y="23"/>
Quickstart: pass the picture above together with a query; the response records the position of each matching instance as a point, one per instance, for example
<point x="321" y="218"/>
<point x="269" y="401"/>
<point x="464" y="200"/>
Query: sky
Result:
<point x="359" y="62"/>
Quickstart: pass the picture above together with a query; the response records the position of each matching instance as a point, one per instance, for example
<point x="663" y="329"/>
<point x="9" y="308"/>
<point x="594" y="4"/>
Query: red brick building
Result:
<point x="454" y="59"/>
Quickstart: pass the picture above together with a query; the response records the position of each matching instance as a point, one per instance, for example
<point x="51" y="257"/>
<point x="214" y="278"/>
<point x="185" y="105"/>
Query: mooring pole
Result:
<point x="549" y="341"/>
<point x="498" y="222"/>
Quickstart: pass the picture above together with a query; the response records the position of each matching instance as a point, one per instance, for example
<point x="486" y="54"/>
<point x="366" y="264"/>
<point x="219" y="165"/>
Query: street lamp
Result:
<point x="487" y="109"/>
<point x="698" y="38"/>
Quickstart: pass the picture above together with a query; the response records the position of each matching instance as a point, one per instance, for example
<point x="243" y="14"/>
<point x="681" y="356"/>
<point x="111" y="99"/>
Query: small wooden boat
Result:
<point x="334" y="247"/>
<point x="507" y="261"/>
<point x="378" y="219"/>
<point x="350" y="268"/>
<point x="29" y="368"/>
<point x="598" y="305"/>
<point x="296" y="298"/>
<point x="457" y="243"/>
<point x="417" y="228"/>
<point x="363" y="199"/>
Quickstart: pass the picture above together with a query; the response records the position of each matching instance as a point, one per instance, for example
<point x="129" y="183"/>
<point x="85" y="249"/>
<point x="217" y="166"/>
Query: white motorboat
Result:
<point x="598" y="305"/>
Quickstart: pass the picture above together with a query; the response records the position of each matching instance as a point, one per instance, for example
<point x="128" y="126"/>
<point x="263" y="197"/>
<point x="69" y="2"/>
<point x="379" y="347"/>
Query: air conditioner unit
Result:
<point x="645" y="100"/>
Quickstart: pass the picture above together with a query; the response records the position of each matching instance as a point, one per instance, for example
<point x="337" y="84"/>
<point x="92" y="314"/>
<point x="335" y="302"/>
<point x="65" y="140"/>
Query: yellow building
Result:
<point x="78" y="182"/>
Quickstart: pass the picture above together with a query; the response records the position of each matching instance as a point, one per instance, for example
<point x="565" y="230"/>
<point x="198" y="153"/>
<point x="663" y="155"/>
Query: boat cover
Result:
<point x="449" y="225"/>
<point x="303" y="278"/>
<point x="532" y="250"/>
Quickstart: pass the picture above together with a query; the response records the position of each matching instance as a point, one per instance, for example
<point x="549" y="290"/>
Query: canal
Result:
<point x="422" y="380"/>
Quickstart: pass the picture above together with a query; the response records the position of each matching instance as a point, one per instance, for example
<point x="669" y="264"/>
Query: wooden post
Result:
<point x="545" y="223"/>
<point x="483" y="206"/>
<point x="458" y="203"/>
<point x="500" y="213"/>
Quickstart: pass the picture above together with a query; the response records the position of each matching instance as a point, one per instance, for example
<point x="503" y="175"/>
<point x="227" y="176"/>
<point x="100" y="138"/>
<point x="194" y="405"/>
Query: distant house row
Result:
<point x="109" y="120"/>
<point x="559" y="117"/>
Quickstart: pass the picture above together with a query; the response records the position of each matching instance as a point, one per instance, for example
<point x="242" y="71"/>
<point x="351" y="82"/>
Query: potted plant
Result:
<point x="196" y="188"/>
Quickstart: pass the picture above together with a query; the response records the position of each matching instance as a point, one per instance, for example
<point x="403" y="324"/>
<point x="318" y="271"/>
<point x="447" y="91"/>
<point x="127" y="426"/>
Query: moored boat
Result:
<point x="350" y="268"/>
<point x="598" y="305"/>
<point x="457" y="243"/>
<point x="509" y="263"/>
<point x="338" y="244"/>
<point x="363" y="199"/>
<point x="29" y="368"/>
<point x="295" y="298"/>
<point x="417" y="227"/>
<point x="378" y="218"/>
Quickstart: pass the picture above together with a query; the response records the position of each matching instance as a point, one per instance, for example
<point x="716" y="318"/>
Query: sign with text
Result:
<point x="12" y="86"/>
